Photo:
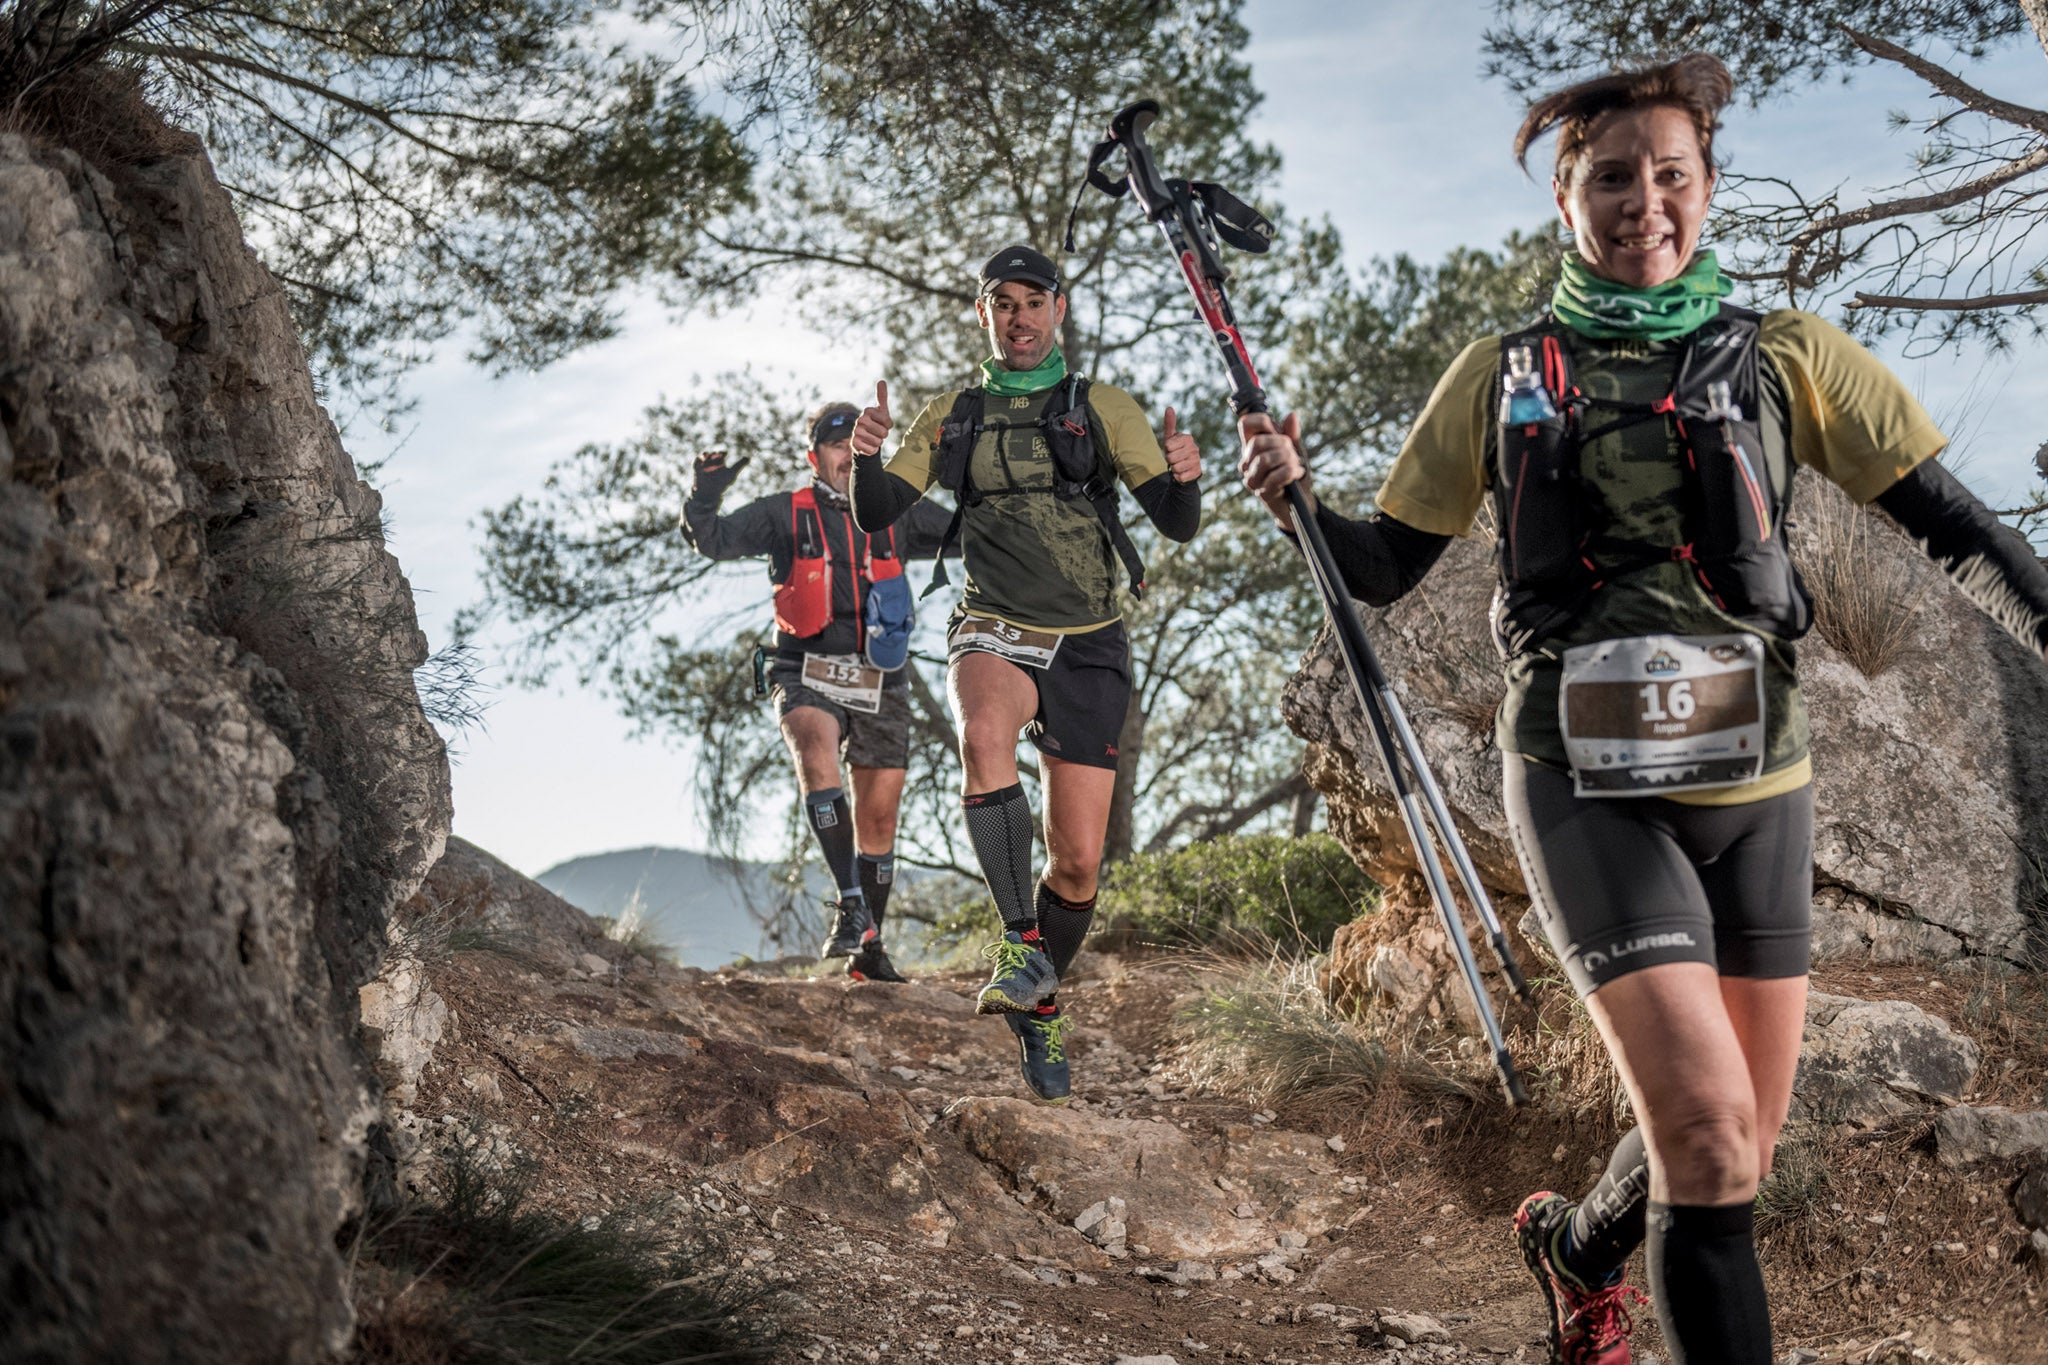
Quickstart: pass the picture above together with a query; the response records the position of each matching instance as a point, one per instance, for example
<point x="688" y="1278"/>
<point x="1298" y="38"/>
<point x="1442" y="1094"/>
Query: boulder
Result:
<point x="1969" y="1135"/>
<point x="216" y="782"/>
<point x="1931" y="787"/>
<point x="1075" y="1160"/>
<point x="1866" y="1061"/>
<point x="2030" y="1196"/>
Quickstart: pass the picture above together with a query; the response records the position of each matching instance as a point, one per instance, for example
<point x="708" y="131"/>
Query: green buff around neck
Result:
<point x="1012" y="383"/>
<point x="1605" y="310"/>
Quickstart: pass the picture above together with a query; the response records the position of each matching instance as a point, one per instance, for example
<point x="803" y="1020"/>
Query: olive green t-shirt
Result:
<point x="1032" y="558"/>
<point x="1828" y="404"/>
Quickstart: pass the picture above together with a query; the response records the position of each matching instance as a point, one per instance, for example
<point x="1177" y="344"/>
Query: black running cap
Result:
<point x="835" y="424"/>
<point x="1022" y="264"/>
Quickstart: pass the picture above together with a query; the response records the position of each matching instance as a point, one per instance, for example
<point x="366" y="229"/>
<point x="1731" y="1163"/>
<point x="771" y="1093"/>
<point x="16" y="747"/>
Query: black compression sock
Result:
<point x="999" y="828"/>
<point x="877" y="875"/>
<point x="826" y="810"/>
<point x="1706" y="1283"/>
<point x="1063" y="924"/>
<point x="1594" y="1243"/>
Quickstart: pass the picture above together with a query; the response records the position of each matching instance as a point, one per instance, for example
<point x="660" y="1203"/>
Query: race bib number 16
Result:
<point x="1663" y="713"/>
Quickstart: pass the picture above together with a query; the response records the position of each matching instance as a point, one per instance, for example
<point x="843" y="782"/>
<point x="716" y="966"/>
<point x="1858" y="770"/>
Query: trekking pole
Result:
<point x="1193" y="215"/>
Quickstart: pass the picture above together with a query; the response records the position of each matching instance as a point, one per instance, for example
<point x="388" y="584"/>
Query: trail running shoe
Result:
<point x="1023" y="977"/>
<point x="1042" y="1048"/>
<point x="1587" y="1326"/>
<point x="853" y="929"/>
<point x="872" y="963"/>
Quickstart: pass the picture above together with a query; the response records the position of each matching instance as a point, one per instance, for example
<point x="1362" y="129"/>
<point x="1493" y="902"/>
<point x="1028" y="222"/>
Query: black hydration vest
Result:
<point x="1081" y="468"/>
<point x="1553" y="558"/>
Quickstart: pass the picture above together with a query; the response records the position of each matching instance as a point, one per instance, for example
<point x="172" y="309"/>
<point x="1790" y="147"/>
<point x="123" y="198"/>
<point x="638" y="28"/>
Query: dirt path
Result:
<point x="870" y="1149"/>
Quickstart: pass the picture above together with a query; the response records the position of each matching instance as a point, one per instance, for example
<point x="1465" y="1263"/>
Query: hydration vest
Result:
<point x="803" y="599"/>
<point x="1081" y="468"/>
<point x="1553" y="558"/>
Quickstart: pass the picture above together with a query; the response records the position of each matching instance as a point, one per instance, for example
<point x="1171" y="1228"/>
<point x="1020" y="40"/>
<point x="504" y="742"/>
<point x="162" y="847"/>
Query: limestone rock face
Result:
<point x="215" y="782"/>
<point x="1865" y="1061"/>
<point x="1931" y="790"/>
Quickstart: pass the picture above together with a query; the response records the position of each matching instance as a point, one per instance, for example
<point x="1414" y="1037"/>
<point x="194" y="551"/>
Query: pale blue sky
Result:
<point x="1386" y="127"/>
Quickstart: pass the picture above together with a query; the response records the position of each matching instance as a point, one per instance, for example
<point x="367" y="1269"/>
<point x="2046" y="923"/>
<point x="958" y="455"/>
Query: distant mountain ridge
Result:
<point x="687" y="900"/>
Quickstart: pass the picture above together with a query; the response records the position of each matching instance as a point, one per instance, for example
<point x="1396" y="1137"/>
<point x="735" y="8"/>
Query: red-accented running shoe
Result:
<point x="1587" y="1326"/>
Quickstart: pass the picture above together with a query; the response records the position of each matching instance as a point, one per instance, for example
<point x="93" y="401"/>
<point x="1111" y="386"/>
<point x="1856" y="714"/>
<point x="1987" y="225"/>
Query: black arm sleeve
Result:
<point x="1380" y="559"/>
<point x="878" y="496"/>
<point x="1175" y="508"/>
<point x="759" y="528"/>
<point x="1989" y="561"/>
<point x="919" y="533"/>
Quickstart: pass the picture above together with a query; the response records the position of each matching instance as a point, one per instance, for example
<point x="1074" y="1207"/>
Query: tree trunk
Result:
<point x="1130" y="747"/>
<point x="1304" y="810"/>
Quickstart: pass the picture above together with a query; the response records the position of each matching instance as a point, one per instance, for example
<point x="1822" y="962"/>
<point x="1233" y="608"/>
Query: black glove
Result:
<point x="714" y="476"/>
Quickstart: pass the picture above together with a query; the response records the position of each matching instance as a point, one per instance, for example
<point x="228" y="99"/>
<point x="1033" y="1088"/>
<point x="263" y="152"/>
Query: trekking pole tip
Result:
<point x="1511" y="1079"/>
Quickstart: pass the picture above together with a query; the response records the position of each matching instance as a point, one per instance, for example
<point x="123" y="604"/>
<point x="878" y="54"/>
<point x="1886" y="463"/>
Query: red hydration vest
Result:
<point x="803" y="600"/>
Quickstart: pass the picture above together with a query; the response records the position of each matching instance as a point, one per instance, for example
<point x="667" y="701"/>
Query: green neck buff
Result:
<point x="1605" y="310"/>
<point x="1015" y="383"/>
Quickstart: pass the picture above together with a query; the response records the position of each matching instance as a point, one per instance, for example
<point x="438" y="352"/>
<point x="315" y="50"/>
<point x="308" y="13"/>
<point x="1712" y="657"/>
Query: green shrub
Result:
<point x="1288" y="889"/>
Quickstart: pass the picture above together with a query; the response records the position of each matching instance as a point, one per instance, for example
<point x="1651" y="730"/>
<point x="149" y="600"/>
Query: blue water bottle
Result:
<point x="1526" y="401"/>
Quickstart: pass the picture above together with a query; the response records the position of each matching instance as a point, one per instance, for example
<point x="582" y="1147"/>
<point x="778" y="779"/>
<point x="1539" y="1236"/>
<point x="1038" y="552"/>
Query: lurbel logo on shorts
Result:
<point x="1659" y="664"/>
<point x="1593" y="959"/>
<point x="1109" y="751"/>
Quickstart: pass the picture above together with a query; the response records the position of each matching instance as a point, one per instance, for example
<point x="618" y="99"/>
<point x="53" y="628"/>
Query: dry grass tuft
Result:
<point x="1266" y="1033"/>
<point x="1865" y="591"/>
<point x="1565" y="1061"/>
<point x="477" y="1272"/>
<point x="102" y="112"/>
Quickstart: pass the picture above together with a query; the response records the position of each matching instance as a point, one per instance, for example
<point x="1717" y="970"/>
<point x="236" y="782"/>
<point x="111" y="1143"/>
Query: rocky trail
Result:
<point x="867" y="1149"/>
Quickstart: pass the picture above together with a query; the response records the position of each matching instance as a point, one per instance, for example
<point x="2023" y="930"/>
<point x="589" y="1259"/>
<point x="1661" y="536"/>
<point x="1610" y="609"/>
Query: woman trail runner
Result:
<point x="1638" y="447"/>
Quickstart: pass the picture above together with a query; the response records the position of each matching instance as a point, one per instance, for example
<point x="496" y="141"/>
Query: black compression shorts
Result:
<point x="1082" y="694"/>
<point x="1627" y="883"/>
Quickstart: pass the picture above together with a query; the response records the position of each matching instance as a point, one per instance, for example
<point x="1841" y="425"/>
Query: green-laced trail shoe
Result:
<point x="1022" y="979"/>
<point x="1042" y="1043"/>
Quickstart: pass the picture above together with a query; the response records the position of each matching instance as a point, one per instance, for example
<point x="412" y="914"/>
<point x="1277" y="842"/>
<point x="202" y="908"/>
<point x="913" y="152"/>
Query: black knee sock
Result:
<point x="1063" y="924"/>
<point x="1594" y="1243"/>
<point x="1708" y="1287"/>
<point x="999" y="828"/>
<point x="877" y="875"/>
<point x="826" y="810"/>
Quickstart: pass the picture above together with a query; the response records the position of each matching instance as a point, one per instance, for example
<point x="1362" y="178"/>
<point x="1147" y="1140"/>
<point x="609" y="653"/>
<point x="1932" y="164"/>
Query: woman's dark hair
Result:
<point x="1695" y="83"/>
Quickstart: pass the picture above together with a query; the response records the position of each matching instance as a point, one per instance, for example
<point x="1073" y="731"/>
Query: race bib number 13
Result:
<point x="1663" y="713"/>
<point x="1030" y="648"/>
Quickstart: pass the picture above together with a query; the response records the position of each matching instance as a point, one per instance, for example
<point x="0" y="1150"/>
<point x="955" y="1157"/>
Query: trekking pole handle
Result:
<point x="1127" y="130"/>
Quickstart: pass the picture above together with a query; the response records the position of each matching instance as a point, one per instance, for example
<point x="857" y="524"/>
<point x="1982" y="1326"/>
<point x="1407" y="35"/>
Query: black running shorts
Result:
<point x="879" y="739"/>
<point x="1627" y="883"/>
<point x="1082" y="695"/>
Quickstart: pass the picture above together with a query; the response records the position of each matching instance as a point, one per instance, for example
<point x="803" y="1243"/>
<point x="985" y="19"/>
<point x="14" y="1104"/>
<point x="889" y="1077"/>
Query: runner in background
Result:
<point x="1035" y="456"/>
<point x="833" y="696"/>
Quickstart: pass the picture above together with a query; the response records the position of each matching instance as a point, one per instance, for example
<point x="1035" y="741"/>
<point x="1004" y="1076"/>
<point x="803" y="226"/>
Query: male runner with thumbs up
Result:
<point x="1034" y="455"/>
